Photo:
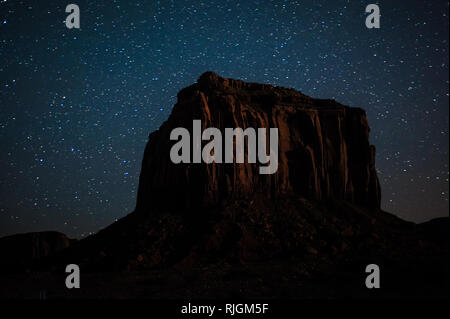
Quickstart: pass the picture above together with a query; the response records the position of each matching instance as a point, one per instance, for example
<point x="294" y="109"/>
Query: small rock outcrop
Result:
<point x="24" y="249"/>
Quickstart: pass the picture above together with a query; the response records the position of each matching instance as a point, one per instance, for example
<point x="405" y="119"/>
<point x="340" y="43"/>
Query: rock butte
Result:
<point x="324" y="150"/>
<point x="317" y="215"/>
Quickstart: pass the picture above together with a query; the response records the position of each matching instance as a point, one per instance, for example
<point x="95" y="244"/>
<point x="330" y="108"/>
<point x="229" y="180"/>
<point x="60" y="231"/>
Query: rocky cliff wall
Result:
<point x="323" y="149"/>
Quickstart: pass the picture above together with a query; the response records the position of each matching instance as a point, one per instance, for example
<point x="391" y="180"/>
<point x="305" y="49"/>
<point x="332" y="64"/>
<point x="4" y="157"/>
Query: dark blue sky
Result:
<point x="77" y="105"/>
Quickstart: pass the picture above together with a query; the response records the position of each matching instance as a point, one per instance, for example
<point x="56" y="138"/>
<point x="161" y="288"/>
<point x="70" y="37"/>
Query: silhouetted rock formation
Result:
<point x="317" y="217"/>
<point x="323" y="200"/>
<point x="23" y="249"/>
<point x="436" y="229"/>
<point x="324" y="150"/>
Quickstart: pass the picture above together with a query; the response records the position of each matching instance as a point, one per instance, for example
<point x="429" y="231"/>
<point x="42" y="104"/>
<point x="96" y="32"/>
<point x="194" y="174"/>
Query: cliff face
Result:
<point x="323" y="150"/>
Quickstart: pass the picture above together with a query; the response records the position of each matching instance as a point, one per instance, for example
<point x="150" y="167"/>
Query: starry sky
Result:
<point x="77" y="105"/>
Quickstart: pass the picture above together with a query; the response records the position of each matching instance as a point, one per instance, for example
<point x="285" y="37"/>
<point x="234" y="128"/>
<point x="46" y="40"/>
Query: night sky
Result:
<point x="77" y="106"/>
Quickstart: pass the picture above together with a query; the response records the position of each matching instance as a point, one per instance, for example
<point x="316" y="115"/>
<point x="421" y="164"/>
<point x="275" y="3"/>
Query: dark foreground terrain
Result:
<point x="274" y="279"/>
<point x="329" y="262"/>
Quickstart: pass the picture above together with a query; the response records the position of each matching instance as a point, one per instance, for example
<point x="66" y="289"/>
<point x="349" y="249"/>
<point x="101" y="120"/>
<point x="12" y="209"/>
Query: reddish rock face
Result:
<point x="324" y="151"/>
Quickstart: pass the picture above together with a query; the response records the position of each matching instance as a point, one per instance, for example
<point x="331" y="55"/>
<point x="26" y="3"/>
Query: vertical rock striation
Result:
<point x="324" y="149"/>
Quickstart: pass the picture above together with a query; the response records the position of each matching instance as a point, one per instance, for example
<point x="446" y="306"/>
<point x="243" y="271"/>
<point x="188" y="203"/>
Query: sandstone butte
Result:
<point x="324" y="149"/>
<point x="324" y="199"/>
<point x="210" y="230"/>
